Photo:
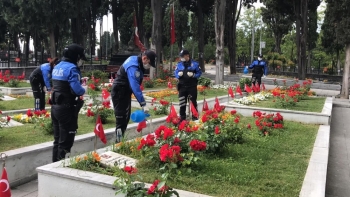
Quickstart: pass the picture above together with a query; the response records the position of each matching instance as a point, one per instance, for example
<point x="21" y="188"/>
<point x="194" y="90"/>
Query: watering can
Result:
<point x="245" y="71"/>
<point x="139" y="116"/>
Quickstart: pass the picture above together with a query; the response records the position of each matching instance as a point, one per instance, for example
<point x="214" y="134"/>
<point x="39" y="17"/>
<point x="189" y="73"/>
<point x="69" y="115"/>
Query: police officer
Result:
<point x="65" y="100"/>
<point x="128" y="80"/>
<point x="39" y="78"/>
<point x="187" y="72"/>
<point x="259" y="69"/>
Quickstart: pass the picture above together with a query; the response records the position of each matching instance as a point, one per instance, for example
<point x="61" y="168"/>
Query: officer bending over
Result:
<point x="65" y="100"/>
<point x="128" y="80"/>
<point x="259" y="69"/>
<point x="187" y="72"/>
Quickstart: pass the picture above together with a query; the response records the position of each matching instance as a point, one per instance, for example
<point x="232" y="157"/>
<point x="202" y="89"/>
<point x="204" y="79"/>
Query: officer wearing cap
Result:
<point x="259" y="69"/>
<point x="128" y="80"/>
<point x="187" y="72"/>
<point x="66" y="101"/>
<point x="39" y="78"/>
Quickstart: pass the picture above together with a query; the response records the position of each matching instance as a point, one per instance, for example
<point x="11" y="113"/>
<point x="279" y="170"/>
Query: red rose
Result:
<point x="130" y="169"/>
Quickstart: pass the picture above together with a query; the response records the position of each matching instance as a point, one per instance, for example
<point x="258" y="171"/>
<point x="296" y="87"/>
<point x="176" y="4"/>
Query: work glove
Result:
<point x="180" y="74"/>
<point x="145" y="109"/>
<point x="190" y="74"/>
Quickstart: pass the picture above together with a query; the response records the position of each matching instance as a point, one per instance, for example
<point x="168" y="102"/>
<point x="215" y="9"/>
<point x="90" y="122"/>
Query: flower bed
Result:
<point x="175" y="155"/>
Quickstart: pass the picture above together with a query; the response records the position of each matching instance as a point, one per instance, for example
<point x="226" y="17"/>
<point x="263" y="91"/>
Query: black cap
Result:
<point x="74" y="52"/>
<point x="184" y="52"/>
<point x="260" y="55"/>
<point x="151" y="55"/>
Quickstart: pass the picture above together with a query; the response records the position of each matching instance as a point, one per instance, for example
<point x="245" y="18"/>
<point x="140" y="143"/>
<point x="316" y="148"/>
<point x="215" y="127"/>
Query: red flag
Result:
<point x="205" y="106"/>
<point x="172" y="114"/>
<point x="1" y="74"/>
<point x="170" y="86"/>
<point x="141" y="126"/>
<point x="137" y="40"/>
<point x="239" y="91"/>
<point x="217" y="104"/>
<point x="230" y="92"/>
<point x="263" y="86"/>
<point x="193" y="110"/>
<point x="5" y="190"/>
<point x="105" y="93"/>
<point x="257" y="87"/>
<point x="172" y="26"/>
<point x="253" y="88"/>
<point x="99" y="130"/>
<point x="247" y="88"/>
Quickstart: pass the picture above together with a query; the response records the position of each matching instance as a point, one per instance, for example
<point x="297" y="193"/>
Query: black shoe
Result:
<point x="194" y="118"/>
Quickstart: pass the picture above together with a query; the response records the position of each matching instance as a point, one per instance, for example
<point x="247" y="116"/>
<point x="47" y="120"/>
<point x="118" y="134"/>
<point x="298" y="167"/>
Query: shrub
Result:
<point x="244" y="81"/>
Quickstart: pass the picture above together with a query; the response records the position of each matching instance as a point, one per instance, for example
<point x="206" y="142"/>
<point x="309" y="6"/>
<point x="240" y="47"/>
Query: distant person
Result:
<point x="128" y="80"/>
<point x="65" y="98"/>
<point x="259" y="69"/>
<point x="187" y="72"/>
<point x="39" y="79"/>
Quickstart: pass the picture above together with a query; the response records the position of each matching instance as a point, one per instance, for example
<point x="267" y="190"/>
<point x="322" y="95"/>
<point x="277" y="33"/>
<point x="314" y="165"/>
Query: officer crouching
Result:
<point x="187" y="72"/>
<point x="66" y="103"/>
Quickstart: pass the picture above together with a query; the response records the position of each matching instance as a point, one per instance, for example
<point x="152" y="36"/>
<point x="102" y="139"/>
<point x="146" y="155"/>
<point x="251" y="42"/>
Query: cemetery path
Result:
<point x="338" y="171"/>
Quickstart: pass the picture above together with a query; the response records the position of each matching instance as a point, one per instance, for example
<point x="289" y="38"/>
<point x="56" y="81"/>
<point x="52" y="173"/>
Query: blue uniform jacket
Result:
<point x="46" y="72"/>
<point x="66" y="71"/>
<point x="135" y="77"/>
<point x="261" y="63"/>
<point x="193" y="68"/>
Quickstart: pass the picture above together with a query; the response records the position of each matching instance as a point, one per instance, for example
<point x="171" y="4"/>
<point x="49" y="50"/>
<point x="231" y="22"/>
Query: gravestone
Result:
<point x="112" y="159"/>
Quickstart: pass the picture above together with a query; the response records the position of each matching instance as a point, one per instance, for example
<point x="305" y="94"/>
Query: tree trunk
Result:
<point x="201" y="36"/>
<point x="345" y="87"/>
<point x="115" y="26"/>
<point x="52" y="44"/>
<point x="219" y="21"/>
<point x="338" y="62"/>
<point x="156" y="33"/>
<point x="304" y="31"/>
<point x="297" y="5"/>
<point x="278" y="40"/>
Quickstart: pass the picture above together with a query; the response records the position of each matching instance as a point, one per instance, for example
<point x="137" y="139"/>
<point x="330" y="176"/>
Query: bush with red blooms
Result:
<point x="220" y="129"/>
<point x="160" y="107"/>
<point x="266" y="123"/>
<point x="10" y="80"/>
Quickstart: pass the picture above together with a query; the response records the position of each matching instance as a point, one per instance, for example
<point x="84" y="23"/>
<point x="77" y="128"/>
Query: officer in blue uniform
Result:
<point x="128" y="80"/>
<point x="259" y="69"/>
<point x="66" y="101"/>
<point x="39" y="78"/>
<point x="187" y="72"/>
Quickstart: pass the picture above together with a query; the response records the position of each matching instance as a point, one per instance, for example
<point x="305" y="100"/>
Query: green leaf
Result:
<point x="161" y="184"/>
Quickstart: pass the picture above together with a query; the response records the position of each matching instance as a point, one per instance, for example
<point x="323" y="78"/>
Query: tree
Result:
<point x="339" y="16"/>
<point x="278" y="15"/>
<point x="156" y="43"/>
<point x="219" y="22"/>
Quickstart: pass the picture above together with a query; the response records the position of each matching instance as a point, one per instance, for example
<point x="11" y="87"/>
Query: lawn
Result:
<point x="26" y="135"/>
<point x="20" y="85"/>
<point x="310" y="104"/>
<point x="22" y="102"/>
<point x="261" y="166"/>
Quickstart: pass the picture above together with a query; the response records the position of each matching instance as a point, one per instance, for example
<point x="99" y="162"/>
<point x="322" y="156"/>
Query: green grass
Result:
<point x="19" y="103"/>
<point x="261" y="166"/>
<point x="26" y="135"/>
<point x="20" y="85"/>
<point x="311" y="104"/>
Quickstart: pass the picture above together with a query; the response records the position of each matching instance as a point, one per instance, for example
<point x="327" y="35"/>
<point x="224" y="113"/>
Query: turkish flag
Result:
<point x="230" y="92"/>
<point x="193" y="110"/>
<point x="253" y="88"/>
<point x="137" y="40"/>
<point x="217" y="104"/>
<point x="247" y="88"/>
<point x="172" y="26"/>
<point x="205" y="106"/>
<point x="238" y="90"/>
<point x="263" y="87"/>
<point x="170" y="86"/>
<point x="105" y="93"/>
<point x="172" y="114"/>
<point x="5" y="190"/>
<point x="141" y="126"/>
<point x="99" y="130"/>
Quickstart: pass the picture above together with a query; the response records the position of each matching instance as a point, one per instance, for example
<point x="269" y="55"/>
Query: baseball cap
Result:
<point x="184" y="52"/>
<point x="74" y="52"/>
<point x="151" y="55"/>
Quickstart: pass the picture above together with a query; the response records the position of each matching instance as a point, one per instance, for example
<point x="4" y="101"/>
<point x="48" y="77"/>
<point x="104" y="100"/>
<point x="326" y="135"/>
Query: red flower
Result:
<point x="217" y="130"/>
<point x="257" y="114"/>
<point x="167" y="133"/>
<point x="204" y="118"/>
<point x="37" y="113"/>
<point x="177" y="140"/>
<point x="182" y="125"/>
<point x="29" y="113"/>
<point x="0" y="112"/>
<point x="92" y="86"/>
<point x="8" y="118"/>
<point x="164" y="102"/>
<point x="237" y="120"/>
<point x="153" y="187"/>
<point x="198" y="145"/>
<point x="106" y="104"/>
<point x="233" y="112"/>
<point x="130" y="169"/>
<point x="89" y="113"/>
<point x="249" y="126"/>
<point x="90" y="105"/>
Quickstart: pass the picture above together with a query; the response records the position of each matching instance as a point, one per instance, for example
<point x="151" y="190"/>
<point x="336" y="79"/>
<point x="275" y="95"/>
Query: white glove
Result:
<point x="264" y="76"/>
<point x="180" y="74"/>
<point x="145" y="109"/>
<point x="246" y="66"/>
<point x="190" y="74"/>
